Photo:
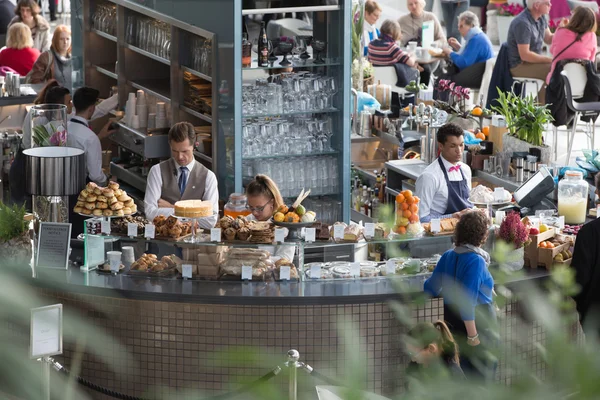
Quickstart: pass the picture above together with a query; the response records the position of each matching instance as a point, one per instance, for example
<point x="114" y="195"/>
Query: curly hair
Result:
<point x="449" y="129"/>
<point x="471" y="229"/>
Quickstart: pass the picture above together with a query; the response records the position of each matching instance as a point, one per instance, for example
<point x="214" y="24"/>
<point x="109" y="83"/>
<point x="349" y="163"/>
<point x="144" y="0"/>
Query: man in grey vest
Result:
<point x="180" y="177"/>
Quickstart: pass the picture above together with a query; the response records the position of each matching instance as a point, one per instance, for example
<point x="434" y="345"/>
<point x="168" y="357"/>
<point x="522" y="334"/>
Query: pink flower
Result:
<point x="513" y="231"/>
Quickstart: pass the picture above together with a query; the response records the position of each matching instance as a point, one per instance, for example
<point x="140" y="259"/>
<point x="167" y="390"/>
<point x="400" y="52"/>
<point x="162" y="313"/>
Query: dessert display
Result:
<point x="481" y="194"/>
<point x="205" y="261"/>
<point x="120" y="226"/>
<point x="171" y="227"/>
<point x="193" y="208"/>
<point x="447" y="226"/>
<point x="261" y="232"/>
<point x="296" y="213"/>
<point x="259" y="260"/>
<point x="240" y="228"/>
<point x="149" y="263"/>
<point x="407" y="214"/>
<point x="284" y="262"/>
<point x="321" y="231"/>
<point x="110" y="201"/>
<point x="352" y="232"/>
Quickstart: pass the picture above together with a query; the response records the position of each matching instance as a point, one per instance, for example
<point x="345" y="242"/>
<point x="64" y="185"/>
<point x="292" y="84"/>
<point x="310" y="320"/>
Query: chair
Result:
<point x="388" y="76"/>
<point x="526" y="85"/>
<point x="574" y="76"/>
<point x="578" y="3"/>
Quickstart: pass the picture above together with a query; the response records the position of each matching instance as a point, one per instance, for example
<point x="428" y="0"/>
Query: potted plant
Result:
<point x="525" y="120"/>
<point x="506" y="13"/>
<point x="515" y="233"/>
<point x="15" y="242"/>
<point x="358" y="12"/>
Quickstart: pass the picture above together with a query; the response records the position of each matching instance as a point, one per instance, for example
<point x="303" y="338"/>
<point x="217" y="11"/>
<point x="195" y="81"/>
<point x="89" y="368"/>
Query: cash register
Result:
<point x="529" y="195"/>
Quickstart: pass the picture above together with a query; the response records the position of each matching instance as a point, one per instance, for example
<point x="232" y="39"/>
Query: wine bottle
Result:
<point x="246" y="51"/>
<point x="263" y="47"/>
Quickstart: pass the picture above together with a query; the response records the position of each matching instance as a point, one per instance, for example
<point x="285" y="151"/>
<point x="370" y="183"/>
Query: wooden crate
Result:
<point x="546" y="256"/>
<point x="532" y="249"/>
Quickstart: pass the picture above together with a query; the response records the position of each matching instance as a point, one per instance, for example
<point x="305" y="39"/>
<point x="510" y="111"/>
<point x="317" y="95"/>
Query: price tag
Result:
<point x="105" y="226"/>
<point x="215" y="235"/>
<point x="279" y="235"/>
<point x="247" y="273"/>
<point x="561" y="222"/>
<point x="149" y="231"/>
<point x="369" y="230"/>
<point x="338" y="231"/>
<point x="115" y="263"/>
<point x="132" y="230"/>
<point x="355" y="269"/>
<point x="390" y="267"/>
<point x="499" y="194"/>
<point x="315" y="271"/>
<point x="186" y="271"/>
<point x="284" y="273"/>
<point x="310" y="234"/>
<point x="436" y="225"/>
<point x="500" y="217"/>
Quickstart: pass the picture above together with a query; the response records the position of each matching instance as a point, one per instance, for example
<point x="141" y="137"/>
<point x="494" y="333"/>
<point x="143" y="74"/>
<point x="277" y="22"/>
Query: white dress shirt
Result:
<point x="368" y="31"/>
<point x="82" y="137"/>
<point x="154" y="189"/>
<point x="432" y="189"/>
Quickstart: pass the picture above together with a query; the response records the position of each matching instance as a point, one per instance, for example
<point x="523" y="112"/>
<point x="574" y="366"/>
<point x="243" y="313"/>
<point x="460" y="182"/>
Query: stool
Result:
<point x="527" y="83"/>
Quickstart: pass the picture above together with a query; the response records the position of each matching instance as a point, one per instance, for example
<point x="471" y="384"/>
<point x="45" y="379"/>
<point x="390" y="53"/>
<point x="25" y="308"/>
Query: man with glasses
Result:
<point x="527" y="34"/>
<point x="181" y="177"/>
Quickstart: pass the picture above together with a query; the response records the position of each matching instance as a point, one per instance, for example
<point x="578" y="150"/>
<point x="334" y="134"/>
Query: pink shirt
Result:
<point x="584" y="49"/>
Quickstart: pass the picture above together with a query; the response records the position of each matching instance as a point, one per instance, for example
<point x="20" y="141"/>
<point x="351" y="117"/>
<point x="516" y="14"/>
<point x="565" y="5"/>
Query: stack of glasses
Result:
<point x="150" y="35"/>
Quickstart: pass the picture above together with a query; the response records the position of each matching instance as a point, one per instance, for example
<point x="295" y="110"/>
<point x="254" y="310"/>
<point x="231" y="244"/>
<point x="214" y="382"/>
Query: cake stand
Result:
<point x="194" y="237"/>
<point x="294" y="228"/>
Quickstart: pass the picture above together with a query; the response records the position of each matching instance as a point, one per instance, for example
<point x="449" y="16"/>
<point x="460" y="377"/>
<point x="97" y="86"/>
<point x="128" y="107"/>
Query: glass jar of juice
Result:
<point x="236" y="206"/>
<point x="573" y="197"/>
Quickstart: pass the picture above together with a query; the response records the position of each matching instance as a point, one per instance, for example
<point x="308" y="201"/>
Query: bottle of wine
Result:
<point x="263" y="47"/>
<point x="246" y="51"/>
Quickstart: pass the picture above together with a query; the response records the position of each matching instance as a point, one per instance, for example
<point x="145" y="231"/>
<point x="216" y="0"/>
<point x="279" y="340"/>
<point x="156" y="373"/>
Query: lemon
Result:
<point x="543" y="228"/>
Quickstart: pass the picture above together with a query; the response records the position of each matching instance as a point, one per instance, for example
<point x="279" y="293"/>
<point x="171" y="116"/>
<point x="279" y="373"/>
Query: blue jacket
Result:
<point x="473" y="281"/>
<point x="478" y="49"/>
<point x="501" y="77"/>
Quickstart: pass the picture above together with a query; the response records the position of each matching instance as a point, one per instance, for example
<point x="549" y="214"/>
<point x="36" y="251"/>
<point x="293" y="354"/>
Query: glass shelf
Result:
<point x="308" y="63"/>
<point x="107" y="69"/>
<point x="105" y="35"/>
<point x="148" y="54"/>
<point x="284" y="114"/>
<point x="323" y="153"/>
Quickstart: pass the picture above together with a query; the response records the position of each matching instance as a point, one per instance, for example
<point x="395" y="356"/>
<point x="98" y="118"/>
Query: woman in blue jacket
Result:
<point x="463" y="279"/>
<point x="468" y="61"/>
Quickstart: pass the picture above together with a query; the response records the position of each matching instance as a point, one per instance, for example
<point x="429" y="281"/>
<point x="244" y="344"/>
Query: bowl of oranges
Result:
<point x="407" y="214"/>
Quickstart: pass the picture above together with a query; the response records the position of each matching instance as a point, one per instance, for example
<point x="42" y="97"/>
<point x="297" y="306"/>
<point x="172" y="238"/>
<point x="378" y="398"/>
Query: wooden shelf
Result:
<point x="196" y="73"/>
<point x="105" y="35"/>
<point x="196" y="114"/>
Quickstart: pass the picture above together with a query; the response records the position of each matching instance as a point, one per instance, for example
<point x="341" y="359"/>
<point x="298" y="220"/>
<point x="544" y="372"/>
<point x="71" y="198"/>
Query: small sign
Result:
<point x="46" y="331"/>
<point x="315" y="271"/>
<point x="390" y="267"/>
<point x="310" y="234"/>
<point x="132" y="230"/>
<point x="499" y="195"/>
<point x="284" y="273"/>
<point x="247" y="273"/>
<point x="94" y="251"/>
<point x="186" y="271"/>
<point x="338" y="231"/>
<point x="369" y="230"/>
<point x="105" y="226"/>
<point x="53" y="245"/>
<point x="355" y="269"/>
<point x="561" y="222"/>
<point x="279" y="235"/>
<point x="215" y="235"/>
<point x="500" y="217"/>
<point x="436" y="225"/>
<point x="149" y="231"/>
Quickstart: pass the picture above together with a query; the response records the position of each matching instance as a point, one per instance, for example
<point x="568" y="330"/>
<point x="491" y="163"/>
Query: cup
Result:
<point x="128" y="256"/>
<point x="114" y="257"/>
<point x="412" y="46"/>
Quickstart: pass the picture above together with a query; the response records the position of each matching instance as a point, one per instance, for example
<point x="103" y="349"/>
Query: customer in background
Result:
<point x="28" y="13"/>
<point x="451" y="9"/>
<point x="55" y="63"/>
<point x="575" y="40"/>
<point x="468" y="61"/>
<point x="19" y="54"/>
<point x="7" y="12"/>
<point x="386" y="51"/>
<point x="433" y="352"/>
<point x="527" y="34"/>
<point x="372" y="14"/>
<point x="463" y="277"/>
<point x="412" y="24"/>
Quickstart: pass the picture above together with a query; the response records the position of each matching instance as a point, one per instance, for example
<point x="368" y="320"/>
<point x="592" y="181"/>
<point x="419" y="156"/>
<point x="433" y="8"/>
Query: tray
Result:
<point x="166" y="272"/>
<point x="494" y="204"/>
<point x="108" y="271"/>
<point x="102" y="216"/>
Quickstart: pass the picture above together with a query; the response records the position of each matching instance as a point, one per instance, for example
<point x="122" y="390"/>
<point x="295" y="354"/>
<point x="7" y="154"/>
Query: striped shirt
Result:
<point x="385" y="52"/>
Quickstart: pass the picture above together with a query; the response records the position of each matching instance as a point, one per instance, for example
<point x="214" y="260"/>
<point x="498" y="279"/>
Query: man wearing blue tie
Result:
<point x="445" y="185"/>
<point x="180" y="177"/>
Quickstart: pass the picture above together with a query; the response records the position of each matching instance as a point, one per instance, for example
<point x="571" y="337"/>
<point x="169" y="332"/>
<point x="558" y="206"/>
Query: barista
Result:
<point x="445" y="185"/>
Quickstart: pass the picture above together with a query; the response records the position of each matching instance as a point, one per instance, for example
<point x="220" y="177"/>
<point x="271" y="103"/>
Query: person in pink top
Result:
<point x="576" y="40"/>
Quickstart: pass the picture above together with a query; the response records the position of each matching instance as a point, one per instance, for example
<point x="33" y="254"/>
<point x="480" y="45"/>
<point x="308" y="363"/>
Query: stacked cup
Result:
<point x="142" y="109"/>
<point x="114" y="258"/>
<point x="130" y="109"/>
<point x="151" y="120"/>
<point x="161" y="115"/>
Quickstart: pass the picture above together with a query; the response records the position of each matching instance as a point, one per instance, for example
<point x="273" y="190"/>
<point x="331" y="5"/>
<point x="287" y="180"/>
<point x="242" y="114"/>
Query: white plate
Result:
<point x="498" y="203"/>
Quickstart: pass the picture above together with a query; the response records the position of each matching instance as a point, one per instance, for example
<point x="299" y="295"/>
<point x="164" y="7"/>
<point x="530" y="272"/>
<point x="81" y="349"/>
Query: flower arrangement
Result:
<point x="553" y="25"/>
<point x="455" y="95"/>
<point x="54" y="136"/>
<point x="366" y="67"/>
<point x="510" y="10"/>
<point x="513" y="231"/>
<point x="358" y="11"/>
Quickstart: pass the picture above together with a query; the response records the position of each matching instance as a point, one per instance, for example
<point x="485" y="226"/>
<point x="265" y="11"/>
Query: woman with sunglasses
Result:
<point x="263" y="198"/>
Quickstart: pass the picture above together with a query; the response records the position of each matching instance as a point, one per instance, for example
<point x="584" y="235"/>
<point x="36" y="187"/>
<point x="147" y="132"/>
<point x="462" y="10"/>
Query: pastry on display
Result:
<point x="352" y="232"/>
<point x="171" y="227"/>
<point x="447" y="226"/>
<point x="193" y="208"/>
<point x="484" y="195"/>
<point x="151" y="263"/>
<point x="241" y="229"/>
<point x="261" y="232"/>
<point x="284" y="262"/>
<point x="382" y="231"/>
<point x="121" y="225"/>
<point x="259" y="260"/>
<point x="104" y="201"/>
<point x="321" y="231"/>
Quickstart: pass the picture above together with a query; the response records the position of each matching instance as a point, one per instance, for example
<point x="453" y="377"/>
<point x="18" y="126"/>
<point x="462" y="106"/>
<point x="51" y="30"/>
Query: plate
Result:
<point x="294" y="225"/>
<point x="102" y="216"/>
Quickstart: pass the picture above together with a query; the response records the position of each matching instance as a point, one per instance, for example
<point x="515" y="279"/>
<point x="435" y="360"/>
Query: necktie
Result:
<point x="454" y="168"/>
<point x="183" y="179"/>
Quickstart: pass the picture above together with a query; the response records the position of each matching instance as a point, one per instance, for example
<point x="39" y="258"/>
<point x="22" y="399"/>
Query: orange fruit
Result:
<point x="486" y="130"/>
<point x="407" y="193"/>
<point x="480" y="135"/>
<point x="410" y="200"/>
<point x="404" y="206"/>
<point x="406" y="214"/>
<point x="414" y="218"/>
<point x="416" y="199"/>
<point x="401" y="230"/>
<point x="414" y="208"/>
<point x="477" y="111"/>
<point x="549" y="245"/>
<point x="400" y="198"/>
<point x="543" y="245"/>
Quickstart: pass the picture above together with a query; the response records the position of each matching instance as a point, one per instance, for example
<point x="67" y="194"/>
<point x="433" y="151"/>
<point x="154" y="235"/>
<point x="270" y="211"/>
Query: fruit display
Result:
<point x="407" y="214"/>
<point x="171" y="227"/>
<point x="110" y="201"/>
<point x="572" y="229"/>
<point x="563" y="256"/>
<point x="413" y="87"/>
<point x="120" y="226"/>
<point x="149" y="263"/>
<point x="296" y="213"/>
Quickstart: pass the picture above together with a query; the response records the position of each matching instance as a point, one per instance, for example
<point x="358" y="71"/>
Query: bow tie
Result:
<point x="454" y="168"/>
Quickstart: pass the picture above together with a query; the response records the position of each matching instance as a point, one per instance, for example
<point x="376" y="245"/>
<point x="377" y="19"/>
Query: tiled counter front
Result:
<point x="178" y="346"/>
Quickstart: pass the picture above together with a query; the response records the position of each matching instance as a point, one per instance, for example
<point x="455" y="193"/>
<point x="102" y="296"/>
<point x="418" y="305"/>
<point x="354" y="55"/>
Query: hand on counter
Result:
<point x="164" y="204"/>
<point x="461" y="213"/>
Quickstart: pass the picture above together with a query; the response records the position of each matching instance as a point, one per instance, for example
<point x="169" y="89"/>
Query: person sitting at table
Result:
<point x="445" y="185"/>
<point x="468" y="61"/>
<point x="412" y="24"/>
<point x="386" y="52"/>
<point x="181" y="177"/>
<point x="527" y="34"/>
<point x="372" y="14"/>
<point x="19" y="54"/>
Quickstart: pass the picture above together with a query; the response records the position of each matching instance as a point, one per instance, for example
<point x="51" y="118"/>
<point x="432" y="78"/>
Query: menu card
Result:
<point x="53" y="245"/>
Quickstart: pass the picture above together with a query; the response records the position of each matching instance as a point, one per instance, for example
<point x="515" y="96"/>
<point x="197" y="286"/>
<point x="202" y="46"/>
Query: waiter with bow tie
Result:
<point x="445" y="185"/>
<point x="180" y="177"/>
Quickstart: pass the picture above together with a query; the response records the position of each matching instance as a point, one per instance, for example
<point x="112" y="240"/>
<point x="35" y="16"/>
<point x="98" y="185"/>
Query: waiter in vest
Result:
<point x="445" y="185"/>
<point x="180" y="177"/>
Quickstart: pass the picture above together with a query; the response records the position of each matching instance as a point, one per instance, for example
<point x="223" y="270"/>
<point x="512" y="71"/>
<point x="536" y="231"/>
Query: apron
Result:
<point x="458" y="192"/>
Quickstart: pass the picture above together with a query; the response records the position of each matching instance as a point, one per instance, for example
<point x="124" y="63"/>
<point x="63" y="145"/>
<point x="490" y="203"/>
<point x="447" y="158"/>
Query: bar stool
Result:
<point x="525" y="84"/>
